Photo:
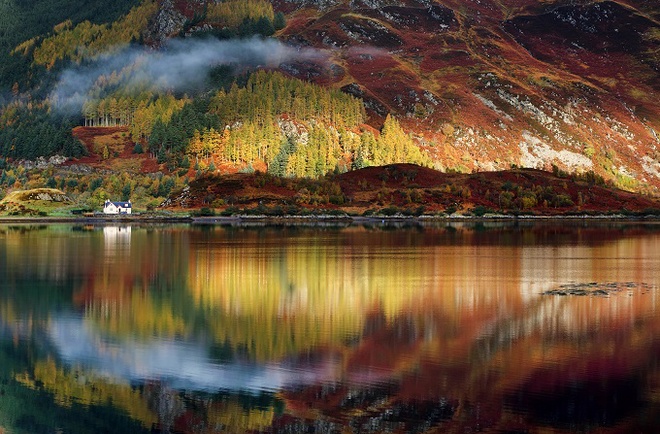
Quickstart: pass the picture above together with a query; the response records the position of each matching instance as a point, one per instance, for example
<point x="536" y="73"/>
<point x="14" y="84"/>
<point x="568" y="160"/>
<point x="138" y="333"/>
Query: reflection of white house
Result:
<point x="117" y="239"/>
<point x="117" y="207"/>
<point x="117" y="233"/>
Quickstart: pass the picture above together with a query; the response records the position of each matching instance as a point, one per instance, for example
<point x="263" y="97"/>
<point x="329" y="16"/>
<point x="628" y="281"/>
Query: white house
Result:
<point x="117" y="207"/>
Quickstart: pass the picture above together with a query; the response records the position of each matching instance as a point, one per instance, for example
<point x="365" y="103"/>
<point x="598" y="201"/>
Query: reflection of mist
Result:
<point x="182" y="365"/>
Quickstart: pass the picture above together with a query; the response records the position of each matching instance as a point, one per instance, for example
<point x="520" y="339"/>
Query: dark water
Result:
<point x="463" y="328"/>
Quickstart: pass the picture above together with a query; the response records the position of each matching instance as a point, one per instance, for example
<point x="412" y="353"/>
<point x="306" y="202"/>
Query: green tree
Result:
<point x="279" y="21"/>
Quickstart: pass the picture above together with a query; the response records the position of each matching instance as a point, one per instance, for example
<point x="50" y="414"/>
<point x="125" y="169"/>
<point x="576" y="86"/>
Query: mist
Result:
<point x="179" y="66"/>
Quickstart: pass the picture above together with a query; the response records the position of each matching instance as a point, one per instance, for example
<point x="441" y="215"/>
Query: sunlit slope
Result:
<point x="479" y="85"/>
<point x="487" y="84"/>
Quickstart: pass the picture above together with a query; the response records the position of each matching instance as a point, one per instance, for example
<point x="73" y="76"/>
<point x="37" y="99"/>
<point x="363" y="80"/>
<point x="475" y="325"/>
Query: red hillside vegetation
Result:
<point x="112" y="148"/>
<point x="484" y="85"/>
<point x="413" y="189"/>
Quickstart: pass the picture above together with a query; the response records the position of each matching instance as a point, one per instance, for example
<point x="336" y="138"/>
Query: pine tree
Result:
<point x="279" y="21"/>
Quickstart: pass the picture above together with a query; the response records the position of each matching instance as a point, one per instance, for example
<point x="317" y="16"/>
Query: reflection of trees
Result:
<point x="152" y="404"/>
<point x="232" y="417"/>
<point x="27" y="407"/>
<point x="139" y="314"/>
<point x="75" y="386"/>
<point x="125" y="280"/>
<point x="277" y="297"/>
<point x="106" y="267"/>
<point x="405" y="331"/>
<point x="562" y="363"/>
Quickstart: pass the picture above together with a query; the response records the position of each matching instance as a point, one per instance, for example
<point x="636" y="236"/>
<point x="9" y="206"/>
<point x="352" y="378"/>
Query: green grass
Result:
<point x="29" y="202"/>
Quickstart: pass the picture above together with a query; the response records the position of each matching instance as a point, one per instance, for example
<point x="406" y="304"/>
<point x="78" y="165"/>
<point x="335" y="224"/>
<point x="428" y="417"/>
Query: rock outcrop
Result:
<point x="167" y="22"/>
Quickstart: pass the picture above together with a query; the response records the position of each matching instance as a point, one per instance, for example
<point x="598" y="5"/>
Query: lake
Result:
<point x="452" y="327"/>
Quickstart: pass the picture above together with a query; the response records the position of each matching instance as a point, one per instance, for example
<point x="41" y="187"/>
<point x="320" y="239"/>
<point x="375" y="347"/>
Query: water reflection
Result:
<point x="218" y="329"/>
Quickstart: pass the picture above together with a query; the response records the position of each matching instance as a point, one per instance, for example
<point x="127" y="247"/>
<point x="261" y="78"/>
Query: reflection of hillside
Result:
<point x="137" y="313"/>
<point x="271" y="295"/>
<point x="138" y="260"/>
<point x="123" y="288"/>
<point x="107" y="259"/>
<point x="598" y="354"/>
<point x="122" y="277"/>
<point x="356" y="329"/>
<point x="276" y="297"/>
<point x="77" y="387"/>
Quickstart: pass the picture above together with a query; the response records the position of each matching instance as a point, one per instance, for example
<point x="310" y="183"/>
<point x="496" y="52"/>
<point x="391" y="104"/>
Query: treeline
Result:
<point x="231" y="13"/>
<point x="283" y="125"/>
<point x="264" y="98"/>
<point x="90" y="190"/>
<point x="139" y="112"/>
<point x="86" y="40"/>
<point x="27" y="132"/>
<point x="268" y="95"/>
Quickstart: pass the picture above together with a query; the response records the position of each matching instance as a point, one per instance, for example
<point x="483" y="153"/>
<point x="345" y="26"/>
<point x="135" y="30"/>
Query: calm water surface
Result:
<point x="358" y="329"/>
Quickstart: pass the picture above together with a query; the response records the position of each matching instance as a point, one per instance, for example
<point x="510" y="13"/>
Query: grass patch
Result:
<point x="38" y="201"/>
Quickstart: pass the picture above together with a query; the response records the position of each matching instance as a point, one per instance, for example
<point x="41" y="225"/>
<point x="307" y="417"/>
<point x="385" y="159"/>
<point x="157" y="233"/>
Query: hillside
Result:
<point x="38" y="201"/>
<point x="469" y="86"/>
<point x="411" y="190"/>
<point x="487" y="84"/>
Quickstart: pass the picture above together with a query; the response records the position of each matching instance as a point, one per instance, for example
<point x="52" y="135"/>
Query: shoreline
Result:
<point x="319" y="219"/>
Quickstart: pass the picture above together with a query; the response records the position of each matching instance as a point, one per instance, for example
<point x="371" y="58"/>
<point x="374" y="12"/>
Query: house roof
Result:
<point x="119" y="204"/>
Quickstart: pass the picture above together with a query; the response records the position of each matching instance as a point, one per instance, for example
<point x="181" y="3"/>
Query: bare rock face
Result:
<point x="373" y="4"/>
<point x="165" y="23"/>
<point x="356" y="4"/>
<point x="43" y="162"/>
<point x="49" y="196"/>
<point x="321" y="4"/>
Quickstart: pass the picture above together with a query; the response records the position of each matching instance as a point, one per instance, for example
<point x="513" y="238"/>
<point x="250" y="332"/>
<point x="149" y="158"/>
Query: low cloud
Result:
<point x="178" y="66"/>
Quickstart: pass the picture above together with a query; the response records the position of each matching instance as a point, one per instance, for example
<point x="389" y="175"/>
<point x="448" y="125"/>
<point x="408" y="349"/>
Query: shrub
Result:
<point x="389" y="211"/>
<point x="481" y="210"/>
<point x="562" y="200"/>
<point x="509" y="186"/>
<point x="337" y="199"/>
<point x="230" y="211"/>
<point x="506" y="199"/>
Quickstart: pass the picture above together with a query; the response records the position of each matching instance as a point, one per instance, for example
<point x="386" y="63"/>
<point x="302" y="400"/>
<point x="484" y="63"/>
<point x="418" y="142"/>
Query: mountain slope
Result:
<point x="487" y="84"/>
<point x="24" y="20"/>
<point x="481" y="85"/>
